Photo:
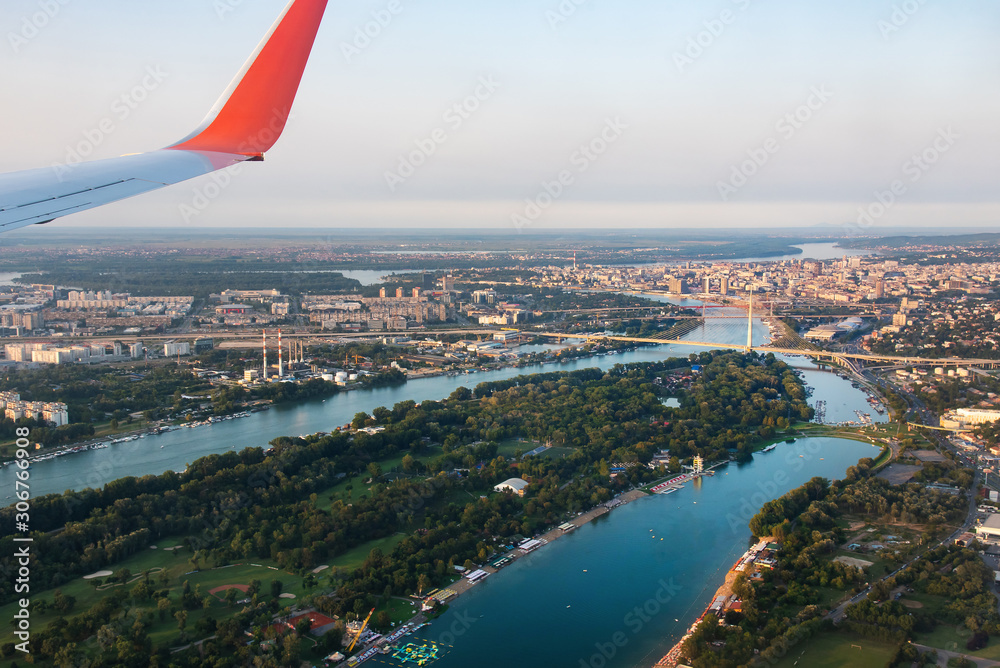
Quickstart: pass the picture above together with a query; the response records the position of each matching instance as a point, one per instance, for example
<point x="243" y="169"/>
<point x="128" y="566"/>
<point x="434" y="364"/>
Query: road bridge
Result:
<point x="810" y="351"/>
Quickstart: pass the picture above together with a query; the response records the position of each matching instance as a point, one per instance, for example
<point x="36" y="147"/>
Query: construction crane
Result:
<point x="361" y="631"/>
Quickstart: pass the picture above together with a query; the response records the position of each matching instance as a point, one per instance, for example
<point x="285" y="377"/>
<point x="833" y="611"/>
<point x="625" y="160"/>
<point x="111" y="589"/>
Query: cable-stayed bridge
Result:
<point x="784" y="341"/>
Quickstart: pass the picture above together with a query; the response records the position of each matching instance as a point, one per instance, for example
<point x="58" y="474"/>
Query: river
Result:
<point x="176" y="449"/>
<point x="814" y="251"/>
<point x="620" y="591"/>
<point x="563" y="605"/>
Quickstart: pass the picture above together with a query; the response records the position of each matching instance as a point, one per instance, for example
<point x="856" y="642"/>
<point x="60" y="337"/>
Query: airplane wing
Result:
<point x="244" y="124"/>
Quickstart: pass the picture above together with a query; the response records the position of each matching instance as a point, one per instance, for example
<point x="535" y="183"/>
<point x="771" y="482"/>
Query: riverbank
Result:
<point x="721" y="602"/>
<point x="455" y="590"/>
<point x="464" y="584"/>
<point x="130" y="435"/>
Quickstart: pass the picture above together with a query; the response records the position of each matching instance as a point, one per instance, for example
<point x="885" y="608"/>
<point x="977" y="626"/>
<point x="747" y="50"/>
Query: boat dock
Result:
<point x="677" y="483"/>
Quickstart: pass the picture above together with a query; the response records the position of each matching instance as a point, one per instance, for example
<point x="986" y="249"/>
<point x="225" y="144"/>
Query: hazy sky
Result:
<point x="833" y="100"/>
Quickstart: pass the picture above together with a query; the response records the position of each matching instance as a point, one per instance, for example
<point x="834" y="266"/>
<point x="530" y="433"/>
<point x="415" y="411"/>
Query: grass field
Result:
<point x="558" y="453"/>
<point x="510" y="447"/>
<point x="400" y="610"/>
<point x="952" y="637"/>
<point x="828" y="596"/>
<point x="339" y="491"/>
<point x="355" y="557"/>
<point x="326" y="497"/>
<point x="948" y="636"/>
<point x="834" y="650"/>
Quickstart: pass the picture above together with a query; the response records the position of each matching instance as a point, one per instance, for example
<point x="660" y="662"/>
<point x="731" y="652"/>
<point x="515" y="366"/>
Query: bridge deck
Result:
<point x="949" y="361"/>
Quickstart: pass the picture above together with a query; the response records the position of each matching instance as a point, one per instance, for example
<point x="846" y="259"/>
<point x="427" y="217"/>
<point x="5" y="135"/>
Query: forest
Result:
<point x="275" y="505"/>
<point x="784" y="607"/>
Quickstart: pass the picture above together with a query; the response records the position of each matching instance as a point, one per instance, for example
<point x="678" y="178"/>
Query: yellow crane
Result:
<point x="361" y="631"/>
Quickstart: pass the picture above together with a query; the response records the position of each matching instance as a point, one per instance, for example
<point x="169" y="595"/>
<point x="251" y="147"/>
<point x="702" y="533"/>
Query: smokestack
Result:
<point x="281" y="366"/>
<point x="265" y="355"/>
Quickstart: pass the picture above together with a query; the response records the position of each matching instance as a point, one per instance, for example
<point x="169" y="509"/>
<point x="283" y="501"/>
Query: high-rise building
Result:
<point x="381" y="293"/>
<point x="677" y="286"/>
<point x="724" y="285"/>
<point x="484" y="296"/>
<point x="177" y="348"/>
<point x="879" y="289"/>
<point x="399" y="293"/>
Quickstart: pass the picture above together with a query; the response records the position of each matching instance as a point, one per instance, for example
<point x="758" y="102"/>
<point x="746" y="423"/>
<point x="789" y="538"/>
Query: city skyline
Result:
<point x="676" y="101"/>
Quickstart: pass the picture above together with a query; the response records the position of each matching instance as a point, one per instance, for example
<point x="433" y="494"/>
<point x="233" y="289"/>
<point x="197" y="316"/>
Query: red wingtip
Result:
<point x="250" y="117"/>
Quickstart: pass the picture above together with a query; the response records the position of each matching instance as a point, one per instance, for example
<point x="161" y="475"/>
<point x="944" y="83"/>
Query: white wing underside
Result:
<point x="41" y="195"/>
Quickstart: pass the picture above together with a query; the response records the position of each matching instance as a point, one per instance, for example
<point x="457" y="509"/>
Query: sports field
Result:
<point x="835" y="650"/>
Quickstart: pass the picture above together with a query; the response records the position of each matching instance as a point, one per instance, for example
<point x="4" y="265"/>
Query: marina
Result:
<point x="103" y="443"/>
